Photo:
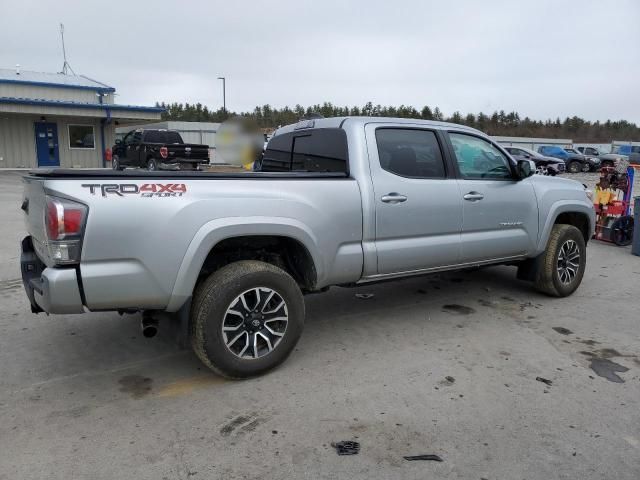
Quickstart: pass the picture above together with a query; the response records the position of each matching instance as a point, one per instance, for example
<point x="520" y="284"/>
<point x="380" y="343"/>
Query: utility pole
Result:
<point x="224" y="95"/>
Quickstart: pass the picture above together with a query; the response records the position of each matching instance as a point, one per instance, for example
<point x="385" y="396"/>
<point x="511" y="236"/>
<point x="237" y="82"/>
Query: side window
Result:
<point x="321" y="150"/>
<point x="137" y="137"/>
<point x="128" y="138"/>
<point x="479" y="159"/>
<point x="412" y="153"/>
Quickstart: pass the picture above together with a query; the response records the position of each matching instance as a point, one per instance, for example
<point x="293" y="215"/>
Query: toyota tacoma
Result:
<point x="336" y="202"/>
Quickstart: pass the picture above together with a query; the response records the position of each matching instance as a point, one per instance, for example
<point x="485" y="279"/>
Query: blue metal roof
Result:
<point x="69" y="104"/>
<point x="58" y="80"/>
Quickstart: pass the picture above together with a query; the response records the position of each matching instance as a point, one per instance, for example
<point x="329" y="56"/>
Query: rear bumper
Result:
<point x="50" y="290"/>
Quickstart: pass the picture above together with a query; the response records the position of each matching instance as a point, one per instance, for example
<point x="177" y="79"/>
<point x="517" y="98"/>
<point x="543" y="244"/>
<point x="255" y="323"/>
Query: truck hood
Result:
<point x="550" y="183"/>
<point x="613" y="156"/>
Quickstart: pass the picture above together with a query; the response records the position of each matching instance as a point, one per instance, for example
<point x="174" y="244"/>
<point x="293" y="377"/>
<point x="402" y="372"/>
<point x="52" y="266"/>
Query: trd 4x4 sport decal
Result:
<point x="145" y="190"/>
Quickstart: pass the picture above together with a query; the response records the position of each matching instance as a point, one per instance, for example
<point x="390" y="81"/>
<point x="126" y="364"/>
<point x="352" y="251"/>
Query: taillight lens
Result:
<point x="164" y="152"/>
<point x="64" y="221"/>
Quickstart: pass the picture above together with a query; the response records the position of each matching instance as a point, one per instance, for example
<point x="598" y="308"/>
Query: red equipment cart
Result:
<point x="614" y="222"/>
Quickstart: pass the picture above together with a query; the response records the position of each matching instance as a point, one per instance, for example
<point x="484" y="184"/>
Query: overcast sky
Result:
<point x="542" y="58"/>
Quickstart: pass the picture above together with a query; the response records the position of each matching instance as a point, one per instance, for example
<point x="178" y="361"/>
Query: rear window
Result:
<point x="318" y="150"/>
<point x="157" y="136"/>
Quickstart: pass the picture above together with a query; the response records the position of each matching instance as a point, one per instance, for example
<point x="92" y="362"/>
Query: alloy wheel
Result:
<point x="254" y="323"/>
<point x="568" y="262"/>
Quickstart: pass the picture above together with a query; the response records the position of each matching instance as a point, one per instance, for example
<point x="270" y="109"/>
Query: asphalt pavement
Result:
<point x="499" y="381"/>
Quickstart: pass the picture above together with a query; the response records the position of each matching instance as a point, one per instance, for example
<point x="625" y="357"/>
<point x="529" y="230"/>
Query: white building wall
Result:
<point x="17" y="142"/>
<point x="18" y="146"/>
<point x="16" y="90"/>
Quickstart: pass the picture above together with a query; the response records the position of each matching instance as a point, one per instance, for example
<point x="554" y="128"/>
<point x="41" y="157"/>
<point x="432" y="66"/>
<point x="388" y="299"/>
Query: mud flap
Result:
<point x="31" y="269"/>
<point x="529" y="269"/>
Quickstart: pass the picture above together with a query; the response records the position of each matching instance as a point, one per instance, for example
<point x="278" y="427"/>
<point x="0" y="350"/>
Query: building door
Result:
<point x="47" y="144"/>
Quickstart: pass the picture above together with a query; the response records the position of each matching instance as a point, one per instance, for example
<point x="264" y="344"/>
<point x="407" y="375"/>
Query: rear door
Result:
<point x="418" y="209"/>
<point x="500" y="212"/>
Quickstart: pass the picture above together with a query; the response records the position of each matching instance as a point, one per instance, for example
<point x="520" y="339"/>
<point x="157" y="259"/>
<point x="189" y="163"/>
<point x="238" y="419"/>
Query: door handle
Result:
<point x="393" y="197"/>
<point x="473" y="196"/>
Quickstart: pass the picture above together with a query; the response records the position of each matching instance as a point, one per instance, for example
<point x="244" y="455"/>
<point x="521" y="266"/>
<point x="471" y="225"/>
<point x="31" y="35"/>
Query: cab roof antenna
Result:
<point x="66" y="68"/>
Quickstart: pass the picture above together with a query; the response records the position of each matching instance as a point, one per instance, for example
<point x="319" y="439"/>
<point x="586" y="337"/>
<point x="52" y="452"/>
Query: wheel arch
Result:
<point x="568" y="212"/>
<point x="283" y="242"/>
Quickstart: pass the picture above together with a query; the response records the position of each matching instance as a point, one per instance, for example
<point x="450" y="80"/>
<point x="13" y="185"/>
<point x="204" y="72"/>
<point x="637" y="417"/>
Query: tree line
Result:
<point x="496" y="123"/>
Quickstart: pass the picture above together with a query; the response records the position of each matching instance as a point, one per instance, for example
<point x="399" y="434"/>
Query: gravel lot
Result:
<point x="442" y="365"/>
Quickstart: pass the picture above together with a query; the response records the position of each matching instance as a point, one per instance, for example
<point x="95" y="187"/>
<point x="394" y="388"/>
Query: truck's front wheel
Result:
<point x="246" y="318"/>
<point x="563" y="263"/>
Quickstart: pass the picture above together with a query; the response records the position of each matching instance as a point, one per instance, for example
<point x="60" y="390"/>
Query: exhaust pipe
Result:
<point x="149" y="326"/>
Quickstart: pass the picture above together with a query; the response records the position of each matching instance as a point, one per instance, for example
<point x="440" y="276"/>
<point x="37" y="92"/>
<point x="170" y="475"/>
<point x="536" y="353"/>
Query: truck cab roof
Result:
<point x="342" y="122"/>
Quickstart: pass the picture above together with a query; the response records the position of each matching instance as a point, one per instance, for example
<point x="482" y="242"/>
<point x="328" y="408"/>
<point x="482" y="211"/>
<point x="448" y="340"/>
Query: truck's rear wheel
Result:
<point x="563" y="263"/>
<point x="246" y="318"/>
<point x="152" y="165"/>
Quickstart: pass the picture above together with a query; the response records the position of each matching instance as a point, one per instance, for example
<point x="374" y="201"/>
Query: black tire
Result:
<point x="152" y="165"/>
<point x="622" y="231"/>
<point x="210" y="309"/>
<point x="548" y="276"/>
<point x="574" y="167"/>
<point x="115" y="163"/>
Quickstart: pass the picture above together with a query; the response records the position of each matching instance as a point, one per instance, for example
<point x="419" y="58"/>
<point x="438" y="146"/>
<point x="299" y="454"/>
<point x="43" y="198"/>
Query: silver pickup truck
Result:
<point x="336" y="201"/>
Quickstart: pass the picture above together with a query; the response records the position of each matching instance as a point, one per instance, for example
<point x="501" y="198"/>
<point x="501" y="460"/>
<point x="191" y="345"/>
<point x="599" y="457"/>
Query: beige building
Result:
<point x="55" y="120"/>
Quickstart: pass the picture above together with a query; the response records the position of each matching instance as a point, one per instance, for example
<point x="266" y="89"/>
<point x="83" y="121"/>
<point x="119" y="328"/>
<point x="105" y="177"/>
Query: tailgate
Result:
<point x="33" y="205"/>
<point x="187" y="151"/>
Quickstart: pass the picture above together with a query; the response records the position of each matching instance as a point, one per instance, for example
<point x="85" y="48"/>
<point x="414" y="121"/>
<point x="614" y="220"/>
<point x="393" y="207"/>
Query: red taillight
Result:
<point x="164" y="152"/>
<point x="64" y="218"/>
<point x="73" y="221"/>
<point x="53" y="219"/>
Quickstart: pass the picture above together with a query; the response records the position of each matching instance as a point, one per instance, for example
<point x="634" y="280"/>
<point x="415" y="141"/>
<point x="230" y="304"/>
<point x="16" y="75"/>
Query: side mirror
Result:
<point x="118" y="141"/>
<point x="525" y="168"/>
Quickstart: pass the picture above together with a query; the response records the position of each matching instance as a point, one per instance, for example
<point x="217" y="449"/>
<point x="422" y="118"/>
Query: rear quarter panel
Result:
<point x="135" y="247"/>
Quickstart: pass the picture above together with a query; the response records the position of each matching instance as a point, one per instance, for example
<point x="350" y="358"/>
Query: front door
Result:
<point x="500" y="212"/>
<point x="417" y="201"/>
<point x="47" y="144"/>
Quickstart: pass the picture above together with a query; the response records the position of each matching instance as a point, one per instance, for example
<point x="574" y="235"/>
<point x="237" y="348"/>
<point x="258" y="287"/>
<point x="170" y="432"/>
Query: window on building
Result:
<point x="82" y="136"/>
<point x="410" y="153"/>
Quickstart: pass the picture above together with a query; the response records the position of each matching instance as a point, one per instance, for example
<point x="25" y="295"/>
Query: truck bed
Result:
<point x="72" y="173"/>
